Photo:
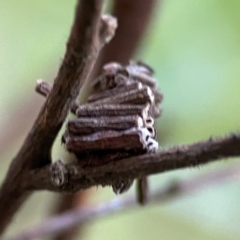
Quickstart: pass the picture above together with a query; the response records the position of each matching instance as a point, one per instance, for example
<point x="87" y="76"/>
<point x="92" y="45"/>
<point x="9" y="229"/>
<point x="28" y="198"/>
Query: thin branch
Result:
<point x="170" y="192"/>
<point x="67" y="202"/>
<point x="83" y="46"/>
<point x="71" y="177"/>
<point x="133" y="19"/>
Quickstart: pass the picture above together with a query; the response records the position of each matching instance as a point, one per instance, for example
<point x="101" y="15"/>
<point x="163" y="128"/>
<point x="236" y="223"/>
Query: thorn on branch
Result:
<point x="108" y="25"/>
<point x="59" y="173"/>
<point x="44" y="88"/>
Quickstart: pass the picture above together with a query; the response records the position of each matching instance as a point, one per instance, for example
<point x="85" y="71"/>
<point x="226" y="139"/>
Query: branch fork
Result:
<point x="88" y="35"/>
<point x="32" y="168"/>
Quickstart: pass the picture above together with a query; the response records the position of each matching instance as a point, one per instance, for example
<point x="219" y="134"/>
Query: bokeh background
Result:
<point x="194" y="47"/>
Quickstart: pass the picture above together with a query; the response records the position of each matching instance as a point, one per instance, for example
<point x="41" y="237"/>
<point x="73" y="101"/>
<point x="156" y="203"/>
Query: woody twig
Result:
<point x="166" y="160"/>
<point x="89" y="33"/>
<point x="169" y="192"/>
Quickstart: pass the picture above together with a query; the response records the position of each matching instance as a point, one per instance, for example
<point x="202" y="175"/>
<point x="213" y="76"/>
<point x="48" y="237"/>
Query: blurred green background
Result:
<point x="194" y="47"/>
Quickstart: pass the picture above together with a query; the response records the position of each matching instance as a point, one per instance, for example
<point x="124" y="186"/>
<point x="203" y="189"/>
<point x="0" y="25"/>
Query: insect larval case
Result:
<point x="118" y="119"/>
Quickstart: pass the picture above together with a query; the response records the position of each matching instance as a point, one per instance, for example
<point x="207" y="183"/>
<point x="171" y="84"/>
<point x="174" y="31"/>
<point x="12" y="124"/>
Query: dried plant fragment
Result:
<point x="112" y="110"/>
<point x="134" y="138"/>
<point x="136" y="96"/>
<point x="84" y="126"/>
<point x="114" y="91"/>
